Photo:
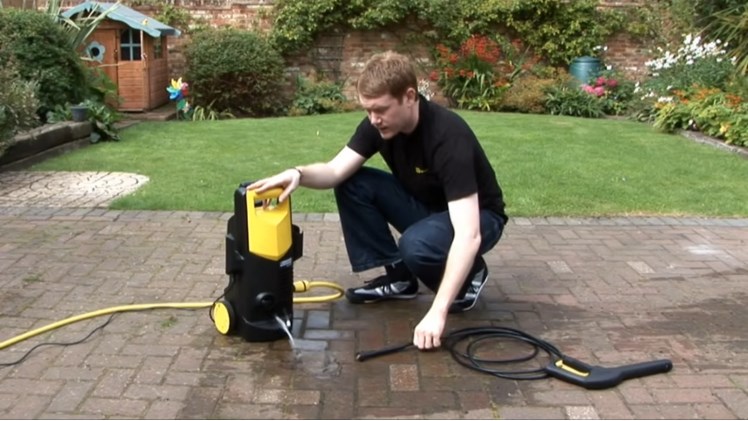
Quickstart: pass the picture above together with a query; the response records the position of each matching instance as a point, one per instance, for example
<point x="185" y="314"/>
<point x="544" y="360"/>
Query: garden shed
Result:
<point x="131" y="48"/>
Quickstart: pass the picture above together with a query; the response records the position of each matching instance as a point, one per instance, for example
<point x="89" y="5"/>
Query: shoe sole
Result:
<point x="356" y="300"/>
<point x="477" y="296"/>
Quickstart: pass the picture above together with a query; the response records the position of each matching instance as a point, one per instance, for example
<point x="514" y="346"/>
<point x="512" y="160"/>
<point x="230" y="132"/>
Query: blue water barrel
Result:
<point x="585" y="68"/>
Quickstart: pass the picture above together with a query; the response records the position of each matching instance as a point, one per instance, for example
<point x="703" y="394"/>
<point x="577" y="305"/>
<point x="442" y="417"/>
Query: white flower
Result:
<point x="424" y="88"/>
<point x="688" y="53"/>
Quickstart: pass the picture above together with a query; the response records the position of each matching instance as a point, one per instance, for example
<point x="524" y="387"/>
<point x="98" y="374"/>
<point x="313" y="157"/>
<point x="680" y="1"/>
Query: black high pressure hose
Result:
<point x="560" y="366"/>
<point x="474" y="337"/>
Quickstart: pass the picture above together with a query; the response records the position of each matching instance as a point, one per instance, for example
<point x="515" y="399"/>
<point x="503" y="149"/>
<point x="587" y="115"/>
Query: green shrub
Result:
<point x="711" y="114"/>
<point x="18" y="104"/>
<point x="101" y="88"/>
<point x="673" y="116"/>
<point x="710" y="111"/>
<point x="103" y="119"/>
<point x="236" y="71"/>
<point x="735" y="131"/>
<point x="42" y="51"/>
<point x="317" y="97"/>
<point x="527" y="95"/>
<point x="569" y="99"/>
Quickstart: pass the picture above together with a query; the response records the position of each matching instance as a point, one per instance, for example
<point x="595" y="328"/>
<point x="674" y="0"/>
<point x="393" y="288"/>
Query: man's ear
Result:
<point x="411" y="95"/>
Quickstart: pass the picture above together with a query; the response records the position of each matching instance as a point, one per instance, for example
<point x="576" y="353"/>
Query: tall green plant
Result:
<point x="469" y="76"/>
<point x="704" y="10"/>
<point x="731" y="26"/>
<point x="79" y="28"/>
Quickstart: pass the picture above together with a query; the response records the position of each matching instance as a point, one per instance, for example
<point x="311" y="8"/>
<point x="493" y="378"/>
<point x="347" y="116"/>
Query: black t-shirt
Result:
<point x="440" y="161"/>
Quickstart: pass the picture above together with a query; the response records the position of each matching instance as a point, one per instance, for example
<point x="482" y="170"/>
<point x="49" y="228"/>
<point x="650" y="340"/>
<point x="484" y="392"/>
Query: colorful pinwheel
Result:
<point x="178" y="92"/>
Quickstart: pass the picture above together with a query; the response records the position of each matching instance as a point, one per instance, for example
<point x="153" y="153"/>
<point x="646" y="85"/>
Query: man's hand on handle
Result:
<point x="288" y="180"/>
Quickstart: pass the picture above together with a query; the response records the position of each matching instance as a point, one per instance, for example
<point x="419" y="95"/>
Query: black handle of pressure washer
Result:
<point x="597" y="377"/>
<point x="365" y="355"/>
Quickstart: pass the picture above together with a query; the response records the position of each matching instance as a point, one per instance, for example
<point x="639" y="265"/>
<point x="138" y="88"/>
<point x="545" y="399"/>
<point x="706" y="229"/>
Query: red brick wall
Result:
<point x="625" y="53"/>
<point x="340" y="55"/>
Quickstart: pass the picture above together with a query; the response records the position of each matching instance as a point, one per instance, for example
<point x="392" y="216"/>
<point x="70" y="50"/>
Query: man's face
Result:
<point x="391" y="116"/>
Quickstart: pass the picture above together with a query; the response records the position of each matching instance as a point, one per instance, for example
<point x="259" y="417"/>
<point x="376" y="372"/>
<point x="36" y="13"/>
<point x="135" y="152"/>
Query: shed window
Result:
<point x="130" y="47"/>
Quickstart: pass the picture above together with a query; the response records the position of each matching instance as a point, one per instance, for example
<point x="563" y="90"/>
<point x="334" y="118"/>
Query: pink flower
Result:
<point x="599" y="90"/>
<point x="589" y="89"/>
<point x="612" y="83"/>
<point x="600" y="81"/>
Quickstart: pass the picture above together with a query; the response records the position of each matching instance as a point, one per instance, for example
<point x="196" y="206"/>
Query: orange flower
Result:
<point x="733" y="100"/>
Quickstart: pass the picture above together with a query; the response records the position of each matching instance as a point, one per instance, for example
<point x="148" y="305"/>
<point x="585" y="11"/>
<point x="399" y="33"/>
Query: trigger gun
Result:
<point x="595" y="377"/>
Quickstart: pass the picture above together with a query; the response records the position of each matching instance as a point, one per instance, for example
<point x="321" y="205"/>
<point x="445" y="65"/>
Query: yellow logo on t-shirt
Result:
<point x="421" y="170"/>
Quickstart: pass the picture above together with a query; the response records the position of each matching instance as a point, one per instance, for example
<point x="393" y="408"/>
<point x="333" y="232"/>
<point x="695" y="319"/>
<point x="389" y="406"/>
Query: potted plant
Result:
<point x="79" y="112"/>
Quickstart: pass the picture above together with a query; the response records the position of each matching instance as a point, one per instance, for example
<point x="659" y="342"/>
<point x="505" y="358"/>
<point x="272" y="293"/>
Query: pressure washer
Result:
<point x="261" y="245"/>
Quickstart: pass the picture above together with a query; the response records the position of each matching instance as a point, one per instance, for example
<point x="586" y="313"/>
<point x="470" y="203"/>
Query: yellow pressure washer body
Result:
<point x="261" y="246"/>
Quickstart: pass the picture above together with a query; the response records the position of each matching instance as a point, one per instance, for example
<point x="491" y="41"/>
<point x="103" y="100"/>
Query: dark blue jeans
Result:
<point x="371" y="200"/>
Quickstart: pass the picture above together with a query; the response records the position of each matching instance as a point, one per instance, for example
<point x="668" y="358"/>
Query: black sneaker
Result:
<point x="477" y="282"/>
<point x="381" y="288"/>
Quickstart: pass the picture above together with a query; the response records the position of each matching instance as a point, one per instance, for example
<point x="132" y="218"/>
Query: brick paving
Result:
<point x="607" y="291"/>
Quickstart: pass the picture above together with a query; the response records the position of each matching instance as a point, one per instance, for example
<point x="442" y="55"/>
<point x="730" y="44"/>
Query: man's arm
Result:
<point x="322" y="175"/>
<point x="465" y="217"/>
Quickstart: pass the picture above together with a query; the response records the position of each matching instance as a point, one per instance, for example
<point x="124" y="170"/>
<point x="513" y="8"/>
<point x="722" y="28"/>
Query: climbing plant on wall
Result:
<point x="559" y="29"/>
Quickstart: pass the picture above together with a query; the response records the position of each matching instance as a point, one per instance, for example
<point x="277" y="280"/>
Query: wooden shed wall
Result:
<point x="132" y="85"/>
<point x="158" y="81"/>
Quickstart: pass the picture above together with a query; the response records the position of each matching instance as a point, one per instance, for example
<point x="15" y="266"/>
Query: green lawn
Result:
<point x="547" y="165"/>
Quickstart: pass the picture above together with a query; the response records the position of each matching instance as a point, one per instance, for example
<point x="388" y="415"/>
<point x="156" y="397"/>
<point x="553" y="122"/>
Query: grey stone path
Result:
<point x="66" y="189"/>
<point x="607" y="291"/>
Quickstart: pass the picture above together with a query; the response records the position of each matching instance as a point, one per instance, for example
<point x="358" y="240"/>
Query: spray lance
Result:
<point x="560" y="366"/>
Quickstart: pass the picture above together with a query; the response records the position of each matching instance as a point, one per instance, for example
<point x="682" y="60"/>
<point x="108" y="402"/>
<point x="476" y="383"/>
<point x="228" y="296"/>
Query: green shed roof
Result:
<point x="126" y="15"/>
